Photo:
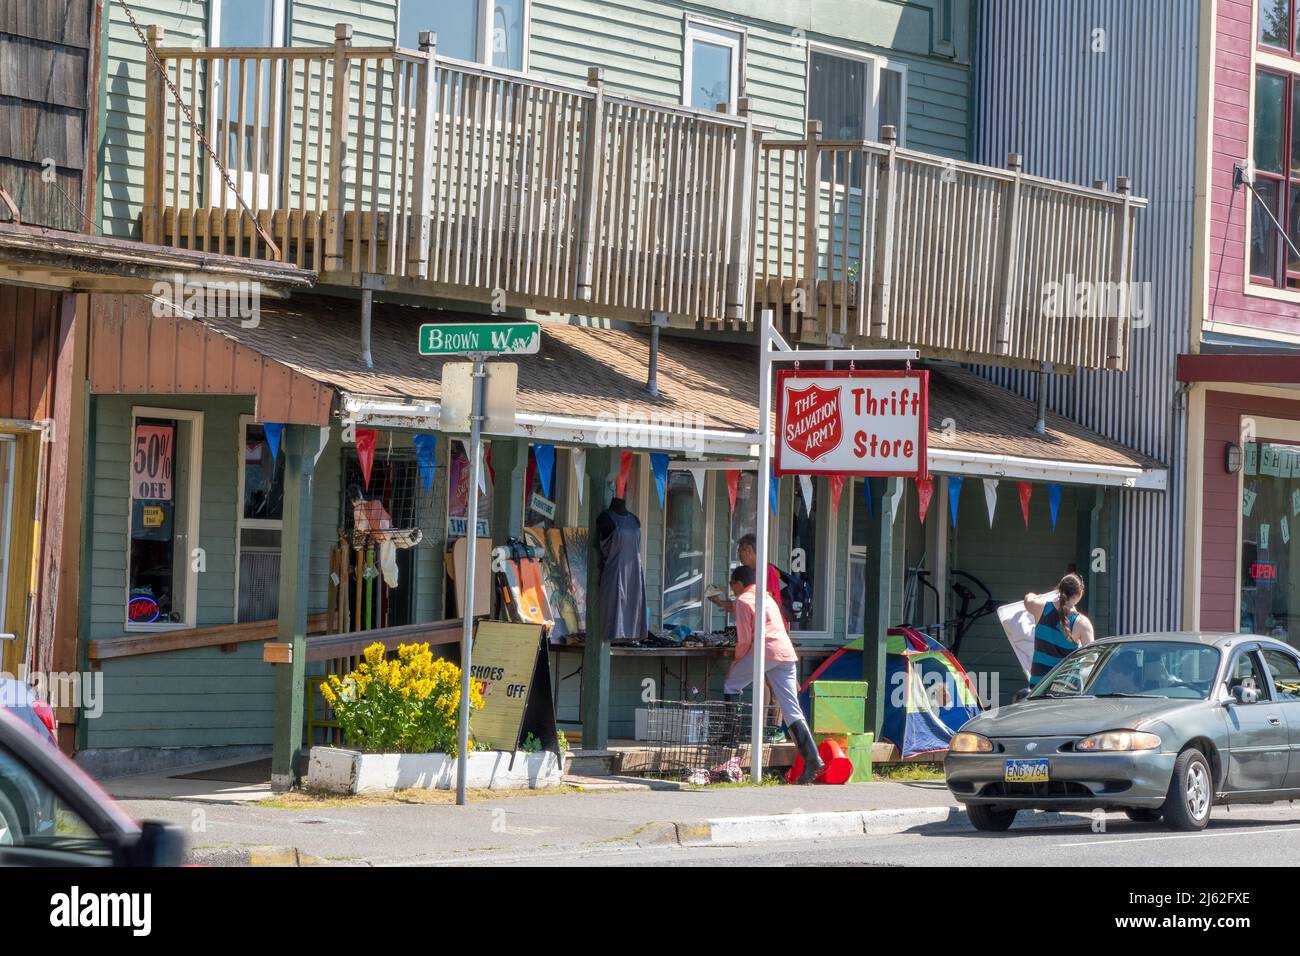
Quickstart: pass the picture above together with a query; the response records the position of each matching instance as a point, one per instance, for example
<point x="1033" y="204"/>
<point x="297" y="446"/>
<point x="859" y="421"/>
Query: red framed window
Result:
<point x="1276" y="151"/>
<point x="1277" y="25"/>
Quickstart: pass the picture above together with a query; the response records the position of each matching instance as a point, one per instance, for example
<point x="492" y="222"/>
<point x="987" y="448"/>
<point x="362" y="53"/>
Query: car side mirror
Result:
<point x="159" y="844"/>
<point x="1020" y="695"/>
<point x="1244" y="694"/>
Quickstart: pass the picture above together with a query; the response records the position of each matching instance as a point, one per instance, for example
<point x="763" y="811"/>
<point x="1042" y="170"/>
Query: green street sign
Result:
<point x="500" y="338"/>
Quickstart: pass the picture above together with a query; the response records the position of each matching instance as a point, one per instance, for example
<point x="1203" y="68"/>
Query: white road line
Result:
<point x="1185" y="836"/>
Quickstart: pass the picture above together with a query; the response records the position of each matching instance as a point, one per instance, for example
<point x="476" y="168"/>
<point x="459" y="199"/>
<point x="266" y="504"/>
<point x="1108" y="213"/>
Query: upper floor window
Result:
<point x="856" y="97"/>
<point x="493" y="32"/>
<point x="712" y="66"/>
<point x="1276" y="151"/>
<point x="1277" y="25"/>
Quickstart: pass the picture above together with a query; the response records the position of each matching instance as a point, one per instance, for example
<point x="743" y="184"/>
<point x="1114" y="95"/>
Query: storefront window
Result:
<point x="857" y="570"/>
<point x="684" y="527"/>
<point x="744" y="519"/>
<point x="1270" y="507"/>
<point x="541" y="511"/>
<point x="260" y="526"/>
<point x="160" y="576"/>
<point x="458" y="477"/>
<point x="805" y="558"/>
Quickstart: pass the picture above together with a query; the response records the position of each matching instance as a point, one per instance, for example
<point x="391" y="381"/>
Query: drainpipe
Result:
<point x="367" y="300"/>
<point x="1040" y="426"/>
<point x="657" y="321"/>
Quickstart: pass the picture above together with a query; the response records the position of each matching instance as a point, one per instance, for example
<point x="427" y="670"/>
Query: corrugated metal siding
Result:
<point x="1077" y="115"/>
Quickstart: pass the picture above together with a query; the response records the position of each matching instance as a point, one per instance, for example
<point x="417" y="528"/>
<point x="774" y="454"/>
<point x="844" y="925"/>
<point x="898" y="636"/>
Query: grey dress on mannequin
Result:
<point x="622" y="577"/>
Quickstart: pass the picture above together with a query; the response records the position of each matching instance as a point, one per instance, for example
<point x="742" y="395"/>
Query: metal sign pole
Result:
<point x="471" y="562"/>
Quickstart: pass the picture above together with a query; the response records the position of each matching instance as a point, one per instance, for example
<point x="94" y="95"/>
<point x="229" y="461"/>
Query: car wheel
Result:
<point x="11" y="825"/>
<point x="989" y="819"/>
<point x="1142" y="815"/>
<point x="1191" y="792"/>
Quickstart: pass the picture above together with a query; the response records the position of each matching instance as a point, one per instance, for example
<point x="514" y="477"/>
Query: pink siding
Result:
<point x="1220" y="547"/>
<point x="1230" y="298"/>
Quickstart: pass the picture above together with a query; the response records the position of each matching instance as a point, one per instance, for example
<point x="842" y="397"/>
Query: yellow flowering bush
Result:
<point x="407" y="705"/>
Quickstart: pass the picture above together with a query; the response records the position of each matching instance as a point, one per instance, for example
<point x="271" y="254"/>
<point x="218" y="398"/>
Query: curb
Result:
<point x="828" y="825"/>
<point x="253" y="856"/>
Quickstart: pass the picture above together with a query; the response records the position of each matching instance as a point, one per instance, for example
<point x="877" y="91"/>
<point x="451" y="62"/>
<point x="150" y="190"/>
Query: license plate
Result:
<point x="1026" y="771"/>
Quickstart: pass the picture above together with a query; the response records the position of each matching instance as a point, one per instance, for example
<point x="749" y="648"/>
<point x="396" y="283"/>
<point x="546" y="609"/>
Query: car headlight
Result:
<point x="965" y="743"/>
<point x="1112" y="740"/>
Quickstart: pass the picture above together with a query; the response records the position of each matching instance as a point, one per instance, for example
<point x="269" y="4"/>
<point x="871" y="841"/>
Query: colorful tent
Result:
<point x="930" y="696"/>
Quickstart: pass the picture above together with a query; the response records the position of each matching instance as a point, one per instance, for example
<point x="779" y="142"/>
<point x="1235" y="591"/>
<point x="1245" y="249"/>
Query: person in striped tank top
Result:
<point x="1059" y="628"/>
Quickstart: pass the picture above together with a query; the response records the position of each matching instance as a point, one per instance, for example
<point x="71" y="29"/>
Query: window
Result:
<point x="1276" y="152"/>
<point x="855" y="97"/>
<point x="47" y="824"/>
<point x="712" y="67"/>
<point x="1285" y="673"/>
<point x="1246" y="671"/>
<point x="162" y="577"/>
<point x="1270" y="564"/>
<point x="261" y="520"/>
<point x="469" y="29"/>
<point x="809" y="547"/>
<point x="684" y="553"/>
<point x="856" y="586"/>
<point x="1275" y="25"/>
<point x="744" y="518"/>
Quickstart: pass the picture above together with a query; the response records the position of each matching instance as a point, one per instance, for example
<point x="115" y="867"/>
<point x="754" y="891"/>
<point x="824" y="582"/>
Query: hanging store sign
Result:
<point x="866" y="423"/>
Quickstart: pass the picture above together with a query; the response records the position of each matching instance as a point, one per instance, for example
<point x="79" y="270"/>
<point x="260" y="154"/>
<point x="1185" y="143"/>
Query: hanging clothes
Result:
<point x="622" y="579"/>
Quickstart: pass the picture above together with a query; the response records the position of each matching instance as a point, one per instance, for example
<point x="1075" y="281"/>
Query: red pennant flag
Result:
<point x="924" y="491"/>
<point x="624" y="469"/>
<point x="366" y="438"/>
<point x="1026" y="492"/>
<point x="733" y="486"/>
<point x="487" y="462"/>
<point x="837" y="486"/>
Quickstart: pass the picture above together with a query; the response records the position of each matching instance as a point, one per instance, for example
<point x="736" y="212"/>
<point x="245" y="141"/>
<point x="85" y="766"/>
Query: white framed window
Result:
<point x="713" y="65"/>
<point x="165" y="461"/>
<point x="491" y="32"/>
<point x="687" y="530"/>
<point x="856" y="95"/>
<point x="809" y="547"/>
<point x="259" y="523"/>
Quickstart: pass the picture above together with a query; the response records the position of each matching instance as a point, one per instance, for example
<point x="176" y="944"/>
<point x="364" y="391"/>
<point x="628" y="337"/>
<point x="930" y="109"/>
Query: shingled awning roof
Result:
<point x="583" y="376"/>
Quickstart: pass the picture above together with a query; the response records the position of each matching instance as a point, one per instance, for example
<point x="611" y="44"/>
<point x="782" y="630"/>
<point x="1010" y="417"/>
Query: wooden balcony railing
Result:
<point x="449" y="178"/>
<point x="870" y="244"/>
<point x="399" y="170"/>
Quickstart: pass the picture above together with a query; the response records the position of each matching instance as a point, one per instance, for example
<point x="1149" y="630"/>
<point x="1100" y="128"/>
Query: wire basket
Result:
<point x="700" y="742"/>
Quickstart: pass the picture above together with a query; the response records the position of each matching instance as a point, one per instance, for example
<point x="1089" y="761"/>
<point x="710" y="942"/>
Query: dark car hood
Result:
<point x="1065" y="718"/>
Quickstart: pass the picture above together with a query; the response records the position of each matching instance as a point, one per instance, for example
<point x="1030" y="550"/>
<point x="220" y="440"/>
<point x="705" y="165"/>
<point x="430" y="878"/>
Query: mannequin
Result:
<point x="622" y="577"/>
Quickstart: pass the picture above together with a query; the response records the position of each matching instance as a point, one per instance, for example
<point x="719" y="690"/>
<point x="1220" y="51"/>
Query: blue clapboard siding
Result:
<point x="204" y="696"/>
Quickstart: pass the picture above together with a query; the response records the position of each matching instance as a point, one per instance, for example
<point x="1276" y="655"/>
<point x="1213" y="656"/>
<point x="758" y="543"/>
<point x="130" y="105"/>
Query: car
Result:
<point x="1159" y="726"/>
<point x="53" y="814"/>
<point x="21" y="701"/>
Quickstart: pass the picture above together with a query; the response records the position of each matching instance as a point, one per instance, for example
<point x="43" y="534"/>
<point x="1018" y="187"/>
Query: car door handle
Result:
<point x="1274" y="720"/>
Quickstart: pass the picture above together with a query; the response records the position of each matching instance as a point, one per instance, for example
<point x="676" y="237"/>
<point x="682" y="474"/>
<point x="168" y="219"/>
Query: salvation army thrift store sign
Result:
<point x="866" y="423"/>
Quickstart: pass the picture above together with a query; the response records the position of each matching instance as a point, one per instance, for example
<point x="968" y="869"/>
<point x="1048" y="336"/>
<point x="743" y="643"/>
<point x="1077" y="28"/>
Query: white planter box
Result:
<point x="349" y="771"/>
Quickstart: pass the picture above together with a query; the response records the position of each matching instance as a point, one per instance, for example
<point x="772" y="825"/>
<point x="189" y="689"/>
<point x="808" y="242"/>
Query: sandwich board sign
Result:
<point x="511" y="668"/>
<point x="867" y="423"/>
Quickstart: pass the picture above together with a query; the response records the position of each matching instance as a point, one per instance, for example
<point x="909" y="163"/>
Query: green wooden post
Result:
<point x="510" y="467"/>
<point x="299" y="446"/>
<point x="876" y="601"/>
<point x="595" y="655"/>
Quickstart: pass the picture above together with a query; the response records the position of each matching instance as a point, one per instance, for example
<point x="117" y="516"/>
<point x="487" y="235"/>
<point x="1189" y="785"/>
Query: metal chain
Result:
<point x="225" y="174"/>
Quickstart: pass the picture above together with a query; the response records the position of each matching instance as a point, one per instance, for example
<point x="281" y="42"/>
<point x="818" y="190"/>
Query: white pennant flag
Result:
<point x="698" y="475"/>
<point x="580" y="469"/>
<point x="805" y="482"/>
<point x="482" y="469"/>
<point x="324" y="440"/>
<point x="991" y="497"/>
<point x="894" y="502"/>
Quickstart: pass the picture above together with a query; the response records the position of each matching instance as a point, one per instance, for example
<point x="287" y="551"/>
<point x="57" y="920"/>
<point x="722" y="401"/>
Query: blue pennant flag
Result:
<point x="544" y="455"/>
<point x="954" y="495"/>
<point x="1054" y="499"/>
<point x="272" y="431"/>
<point x="866" y="496"/>
<point x="772" y="485"/>
<point x="426" y="457"/>
<point x="659" y="465"/>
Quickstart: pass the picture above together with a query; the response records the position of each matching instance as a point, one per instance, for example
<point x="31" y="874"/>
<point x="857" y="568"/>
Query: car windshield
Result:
<point x="1133" y="669"/>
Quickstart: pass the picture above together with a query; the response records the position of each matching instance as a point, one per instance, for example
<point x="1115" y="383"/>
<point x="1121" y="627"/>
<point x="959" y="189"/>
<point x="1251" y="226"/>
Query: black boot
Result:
<point x="812" y="761"/>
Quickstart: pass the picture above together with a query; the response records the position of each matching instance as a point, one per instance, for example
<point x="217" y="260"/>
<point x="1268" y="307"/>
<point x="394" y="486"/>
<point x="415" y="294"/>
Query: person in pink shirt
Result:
<point x="780" y="664"/>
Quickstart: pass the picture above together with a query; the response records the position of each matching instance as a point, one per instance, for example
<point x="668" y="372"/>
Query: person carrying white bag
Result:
<point x="1044" y="628"/>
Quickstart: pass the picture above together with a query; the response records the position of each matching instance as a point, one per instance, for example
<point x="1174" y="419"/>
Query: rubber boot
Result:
<point x="812" y="761"/>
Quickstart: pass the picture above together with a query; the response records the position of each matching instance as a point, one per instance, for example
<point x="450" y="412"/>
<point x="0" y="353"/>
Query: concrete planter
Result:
<point x="334" y="770"/>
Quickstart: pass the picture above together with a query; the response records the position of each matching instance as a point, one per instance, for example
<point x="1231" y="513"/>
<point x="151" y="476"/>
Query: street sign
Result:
<point x="865" y="423"/>
<point x="484" y="338"/>
<point x="500" y="385"/>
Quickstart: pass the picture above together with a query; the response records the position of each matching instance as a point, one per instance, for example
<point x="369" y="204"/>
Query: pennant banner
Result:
<point x="624" y="469"/>
<point x="487" y="471"/>
<point x="837" y="487"/>
<point x="954" y="495"/>
<point x="366" y="438"/>
<point x="866" y="496"/>
<point x="1054" y="501"/>
<point x="544" y="455"/>
<point x="324" y="440"/>
<point x="733" y="487"/>
<point x="805" y="483"/>
<point x="991" y="497"/>
<point x="273" y="431"/>
<point x="771" y="491"/>
<point x="580" y="470"/>
<point x="659" y="465"/>
<point x="698" y="475"/>
<point x="895" y="500"/>
<point x="426" y="458"/>
<point x="1026" y="490"/>
<point x="924" y="492"/>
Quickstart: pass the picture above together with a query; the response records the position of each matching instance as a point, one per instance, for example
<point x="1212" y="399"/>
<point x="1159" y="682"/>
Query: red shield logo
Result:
<point x="813" y="425"/>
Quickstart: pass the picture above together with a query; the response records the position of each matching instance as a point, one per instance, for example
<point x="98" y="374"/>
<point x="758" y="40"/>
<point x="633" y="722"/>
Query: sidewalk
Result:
<point x="233" y="824"/>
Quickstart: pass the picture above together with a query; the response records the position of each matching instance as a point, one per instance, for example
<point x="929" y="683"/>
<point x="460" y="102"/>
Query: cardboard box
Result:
<point x="838" y="706"/>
